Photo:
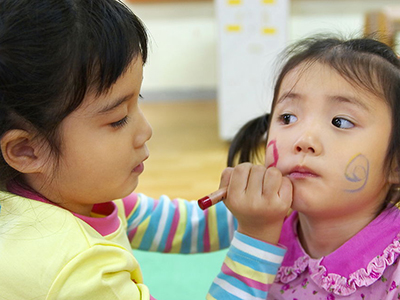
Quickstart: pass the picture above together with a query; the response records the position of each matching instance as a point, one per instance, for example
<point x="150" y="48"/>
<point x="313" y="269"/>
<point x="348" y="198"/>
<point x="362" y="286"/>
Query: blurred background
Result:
<point x="211" y="68"/>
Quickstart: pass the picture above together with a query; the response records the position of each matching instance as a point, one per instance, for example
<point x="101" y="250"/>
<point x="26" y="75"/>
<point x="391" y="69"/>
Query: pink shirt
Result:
<point x="365" y="267"/>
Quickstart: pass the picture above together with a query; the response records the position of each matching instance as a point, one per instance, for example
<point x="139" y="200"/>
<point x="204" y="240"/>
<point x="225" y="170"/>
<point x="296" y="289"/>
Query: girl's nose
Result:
<point x="308" y="143"/>
<point x="145" y="131"/>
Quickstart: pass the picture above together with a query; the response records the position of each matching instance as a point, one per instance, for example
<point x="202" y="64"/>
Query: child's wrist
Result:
<point x="270" y="234"/>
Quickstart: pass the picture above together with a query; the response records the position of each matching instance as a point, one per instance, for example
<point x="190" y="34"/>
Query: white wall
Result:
<point x="182" y="60"/>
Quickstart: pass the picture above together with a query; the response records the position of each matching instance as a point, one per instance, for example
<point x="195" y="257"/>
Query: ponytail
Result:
<point x="246" y="143"/>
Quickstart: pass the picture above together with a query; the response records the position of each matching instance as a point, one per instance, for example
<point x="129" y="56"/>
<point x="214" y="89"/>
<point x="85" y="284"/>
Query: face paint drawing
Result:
<point x="357" y="171"/>
<point x="274" y="153"/>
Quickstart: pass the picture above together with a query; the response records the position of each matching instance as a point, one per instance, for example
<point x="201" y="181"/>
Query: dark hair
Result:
<point x="52" y="52"/>
<point x="364" y="62"/>
<point x="248" y="140"/>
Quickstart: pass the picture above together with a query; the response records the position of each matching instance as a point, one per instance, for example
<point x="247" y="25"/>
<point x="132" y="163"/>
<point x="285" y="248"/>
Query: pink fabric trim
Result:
<point x="321" y="272"/>
<point x="104" y="225"/>
<point x="107" y="224"/>
<point x="289" y="273"/>
<point x="18" y="189"/>
<point x="248" y="281"/>
<point x="174" y="226"/>
<point x="363" y="277"/>
<point x="370" y="242"/>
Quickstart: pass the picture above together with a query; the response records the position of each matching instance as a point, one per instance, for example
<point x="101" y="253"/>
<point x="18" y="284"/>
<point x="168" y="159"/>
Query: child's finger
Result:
<point x="239" y="179"/>
<point x="225" y="177"/>
<point x="272" y="182"/>
<point x="256" y="179"/>
<point x="286" y="191"/>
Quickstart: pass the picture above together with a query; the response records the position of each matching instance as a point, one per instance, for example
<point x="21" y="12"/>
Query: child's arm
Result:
<point x="177" y="226"/>
<point x="248" y="270"/>
<point x="260" y="199"/>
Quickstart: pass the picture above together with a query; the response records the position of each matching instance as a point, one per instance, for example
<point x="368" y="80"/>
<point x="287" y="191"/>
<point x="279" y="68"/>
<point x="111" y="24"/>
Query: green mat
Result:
<point x="179" y="276"/>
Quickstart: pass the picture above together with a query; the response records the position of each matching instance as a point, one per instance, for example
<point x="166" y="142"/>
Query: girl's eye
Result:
<point x="120" y="123"/>
<point x="342" y="123"/>
<point x="287" y="119"/>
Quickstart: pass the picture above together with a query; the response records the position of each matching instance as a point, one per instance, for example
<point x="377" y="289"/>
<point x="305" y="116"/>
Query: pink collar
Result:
<point x="104" y="225"/>
<point x="366" y="255"/>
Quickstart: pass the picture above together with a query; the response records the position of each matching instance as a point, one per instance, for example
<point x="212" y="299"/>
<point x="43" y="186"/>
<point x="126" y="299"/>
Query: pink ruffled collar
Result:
<point x="359" y="262"/>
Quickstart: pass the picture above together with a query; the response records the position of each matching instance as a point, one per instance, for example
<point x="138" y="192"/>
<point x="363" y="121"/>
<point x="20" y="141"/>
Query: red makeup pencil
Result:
<point x="212" y="198"/>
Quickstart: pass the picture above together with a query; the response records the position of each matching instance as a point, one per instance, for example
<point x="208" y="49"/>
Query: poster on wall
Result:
<point x="251" y="34"/>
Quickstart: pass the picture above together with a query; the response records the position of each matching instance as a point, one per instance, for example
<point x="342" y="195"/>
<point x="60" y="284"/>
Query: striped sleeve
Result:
<point x="248" y="270"/>
<point x="177" y="226"/>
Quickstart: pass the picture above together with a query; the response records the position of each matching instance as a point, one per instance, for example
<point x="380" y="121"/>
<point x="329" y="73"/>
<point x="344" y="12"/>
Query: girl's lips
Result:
<point x="139" y="168"/>
<point x="302" y="172"/>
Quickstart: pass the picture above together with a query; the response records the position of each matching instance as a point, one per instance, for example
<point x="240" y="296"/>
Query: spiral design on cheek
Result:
<point x="357" y="172"/>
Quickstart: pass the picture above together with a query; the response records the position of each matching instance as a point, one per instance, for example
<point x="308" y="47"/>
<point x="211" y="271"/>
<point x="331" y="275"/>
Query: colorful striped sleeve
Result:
<point x="248" y="270"/>
<point x="177" y="226"/>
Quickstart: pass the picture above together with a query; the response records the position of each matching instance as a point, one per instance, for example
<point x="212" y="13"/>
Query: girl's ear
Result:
<point x="22" y="151"/>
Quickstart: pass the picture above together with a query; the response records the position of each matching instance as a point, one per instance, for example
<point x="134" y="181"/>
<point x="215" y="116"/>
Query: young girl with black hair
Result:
<point x="334" y="132"/>
<point x="73" y="139"/>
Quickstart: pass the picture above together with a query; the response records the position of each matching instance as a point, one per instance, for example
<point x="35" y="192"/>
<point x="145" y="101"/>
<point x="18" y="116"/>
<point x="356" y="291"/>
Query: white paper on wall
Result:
<point x="251" y="34"/>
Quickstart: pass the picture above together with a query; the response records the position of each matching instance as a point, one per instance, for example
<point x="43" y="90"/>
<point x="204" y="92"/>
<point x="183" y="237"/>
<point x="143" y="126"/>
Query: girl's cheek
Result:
<point x="356" y="173"/>
<point x="272" y="154"/>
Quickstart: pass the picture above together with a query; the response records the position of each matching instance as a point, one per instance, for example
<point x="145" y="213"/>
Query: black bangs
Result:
<point x="112" y="37"/>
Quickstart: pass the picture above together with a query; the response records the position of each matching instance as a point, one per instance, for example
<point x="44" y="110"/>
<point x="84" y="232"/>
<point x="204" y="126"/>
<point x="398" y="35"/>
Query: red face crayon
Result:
<point x="212" y="198"/>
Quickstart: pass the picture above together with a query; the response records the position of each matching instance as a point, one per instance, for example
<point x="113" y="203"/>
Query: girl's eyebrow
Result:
<point x="288" y="96"/>
<point x="351" y="100"/>
<point x="335" y="98"/>
<point x="114" y="104"/>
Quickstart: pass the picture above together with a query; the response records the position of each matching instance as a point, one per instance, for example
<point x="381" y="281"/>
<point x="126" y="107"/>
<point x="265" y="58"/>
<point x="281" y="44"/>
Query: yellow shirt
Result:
<point x="68" y="258"/>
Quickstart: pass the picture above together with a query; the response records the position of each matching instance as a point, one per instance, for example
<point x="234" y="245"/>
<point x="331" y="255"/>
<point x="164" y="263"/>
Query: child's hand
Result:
<point x="259" y="198"/>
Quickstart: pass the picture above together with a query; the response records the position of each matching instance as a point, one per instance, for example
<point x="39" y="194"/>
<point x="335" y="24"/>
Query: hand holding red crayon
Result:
<point x="258" y="197"/>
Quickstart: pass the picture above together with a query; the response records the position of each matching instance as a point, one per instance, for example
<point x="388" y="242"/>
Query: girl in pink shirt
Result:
<point x="334" y="131"/>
